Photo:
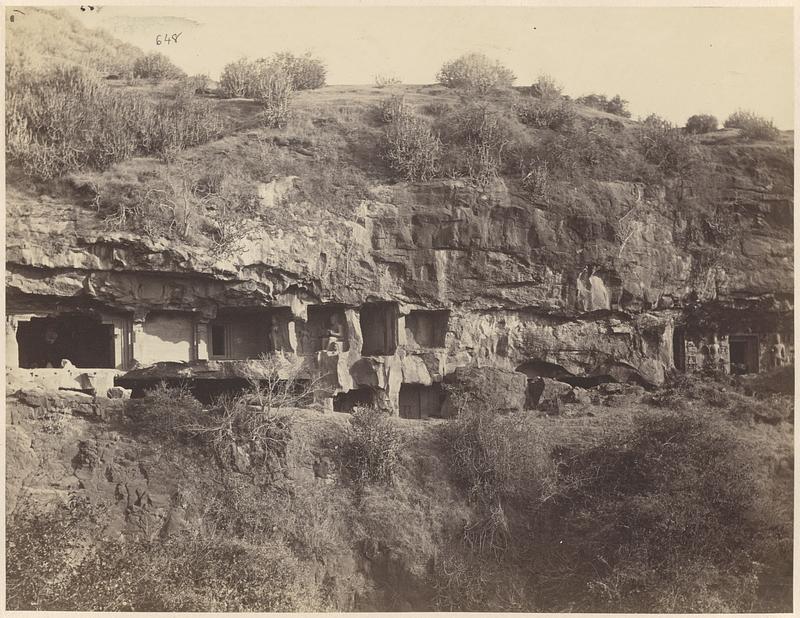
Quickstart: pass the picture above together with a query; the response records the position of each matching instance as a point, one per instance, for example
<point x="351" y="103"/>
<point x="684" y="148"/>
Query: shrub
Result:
<point x="546" y="88"/>
<point x="371" y="453"/>
<point x="537" y="181"/>
<point x="411" y="148"/>
<point x="616" y="105"/>
<point x="251" y="79"/>
<point x="156" y="66"/>
<point x="238" y="78"/>
<point x="665" y="146"/>
<point x="670" y="509"/>
<point x="753" y="126"/>
<point x="60" y="560"/>
<point x="165" y="411"/>
<point x="381" y="81"/>
<point x="274" y="93"/>
<point x="437" y="108"/>
<point x="476" y="137"/>
<point x="67" y="119"/>
<point x="393" y="108"/>
<point x="306" y="72"/>
<point x="701" y="123"/>
<point x="557" y="115"/>
<point x="475" y="73"/>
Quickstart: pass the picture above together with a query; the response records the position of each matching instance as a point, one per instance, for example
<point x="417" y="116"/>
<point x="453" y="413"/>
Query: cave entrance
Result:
<point x="378" y="329"/>
<point x="419" y="401"/>
<point x="427" y="328"/>
<point x="240" y="334"/>
<point x="744" y="353"/>
<point x="81" y="339"/>
<point x="357" y="397"/>
<point x="542" y="369"/>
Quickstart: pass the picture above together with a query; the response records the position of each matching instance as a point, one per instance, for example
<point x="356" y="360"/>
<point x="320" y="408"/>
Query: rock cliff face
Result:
<point x="521" y="281"/>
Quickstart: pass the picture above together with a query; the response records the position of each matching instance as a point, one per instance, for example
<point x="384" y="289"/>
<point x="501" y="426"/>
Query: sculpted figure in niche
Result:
<point x="334" y="334"/>
<point x="52" y="349"/>
<point x="712" y="356"/>
<point x="778" y="353"/>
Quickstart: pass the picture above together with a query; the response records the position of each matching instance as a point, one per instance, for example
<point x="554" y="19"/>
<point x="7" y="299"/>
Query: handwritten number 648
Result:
<point x="167" y="38"/>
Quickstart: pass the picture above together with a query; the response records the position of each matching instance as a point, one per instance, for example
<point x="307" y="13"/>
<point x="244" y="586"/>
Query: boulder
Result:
<point x="117" y="392"/>
<point x="554" y="394"/>
<point x="498" y="389"/>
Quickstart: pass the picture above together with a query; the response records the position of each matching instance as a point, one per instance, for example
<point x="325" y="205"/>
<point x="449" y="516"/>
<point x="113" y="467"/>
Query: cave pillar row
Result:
<point x="12" y="347"/>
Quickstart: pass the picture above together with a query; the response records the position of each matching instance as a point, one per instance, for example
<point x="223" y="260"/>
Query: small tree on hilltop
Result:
<point x="546" y="88"/>
<point x="701" y="123"/>
<point x="306" y="71"/>
<point x="475" y="73"/>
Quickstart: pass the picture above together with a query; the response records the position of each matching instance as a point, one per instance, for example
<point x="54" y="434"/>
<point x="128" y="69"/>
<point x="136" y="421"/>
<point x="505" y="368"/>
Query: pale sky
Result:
<point x="671" y="61"/>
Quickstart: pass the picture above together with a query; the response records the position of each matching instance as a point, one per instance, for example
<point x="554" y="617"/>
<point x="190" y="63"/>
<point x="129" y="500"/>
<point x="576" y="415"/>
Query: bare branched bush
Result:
<point x="372" y="451"/>
<point x="274" y="92"/>
<point x="411" y="148"/>
<point x="753" y="126"/>
<point x="382" y="81"/>
<point x="238" y="78"/>
<point x="476" y="137"/>
<point x="665" y="146"/>
<point x="545" y="87"/>
<point x="259" y="417"/>
<point x="393" y="108"/>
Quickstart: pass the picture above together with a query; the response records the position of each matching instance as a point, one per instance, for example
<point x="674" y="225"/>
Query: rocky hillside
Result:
<point x="320" y="218"/>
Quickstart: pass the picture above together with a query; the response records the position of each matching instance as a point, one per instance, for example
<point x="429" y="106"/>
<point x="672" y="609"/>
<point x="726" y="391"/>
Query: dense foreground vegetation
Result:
<point x="672" y="506"/>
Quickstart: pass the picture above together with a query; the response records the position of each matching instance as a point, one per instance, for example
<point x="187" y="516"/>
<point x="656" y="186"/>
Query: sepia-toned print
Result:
<point x="399" y="308"/>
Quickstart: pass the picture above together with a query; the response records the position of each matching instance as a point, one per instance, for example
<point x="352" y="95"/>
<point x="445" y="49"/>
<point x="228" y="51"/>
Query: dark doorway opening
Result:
<point x="744" y="353"/>
<point x="81" y="339"/>
<point x="358" y="397"/>
<point x="427" y="328"/>
<point x="679" y="349"/>
<point x="379" y="329"/>
<point x="542" y="369"/>
<point x="419" y="401"/>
